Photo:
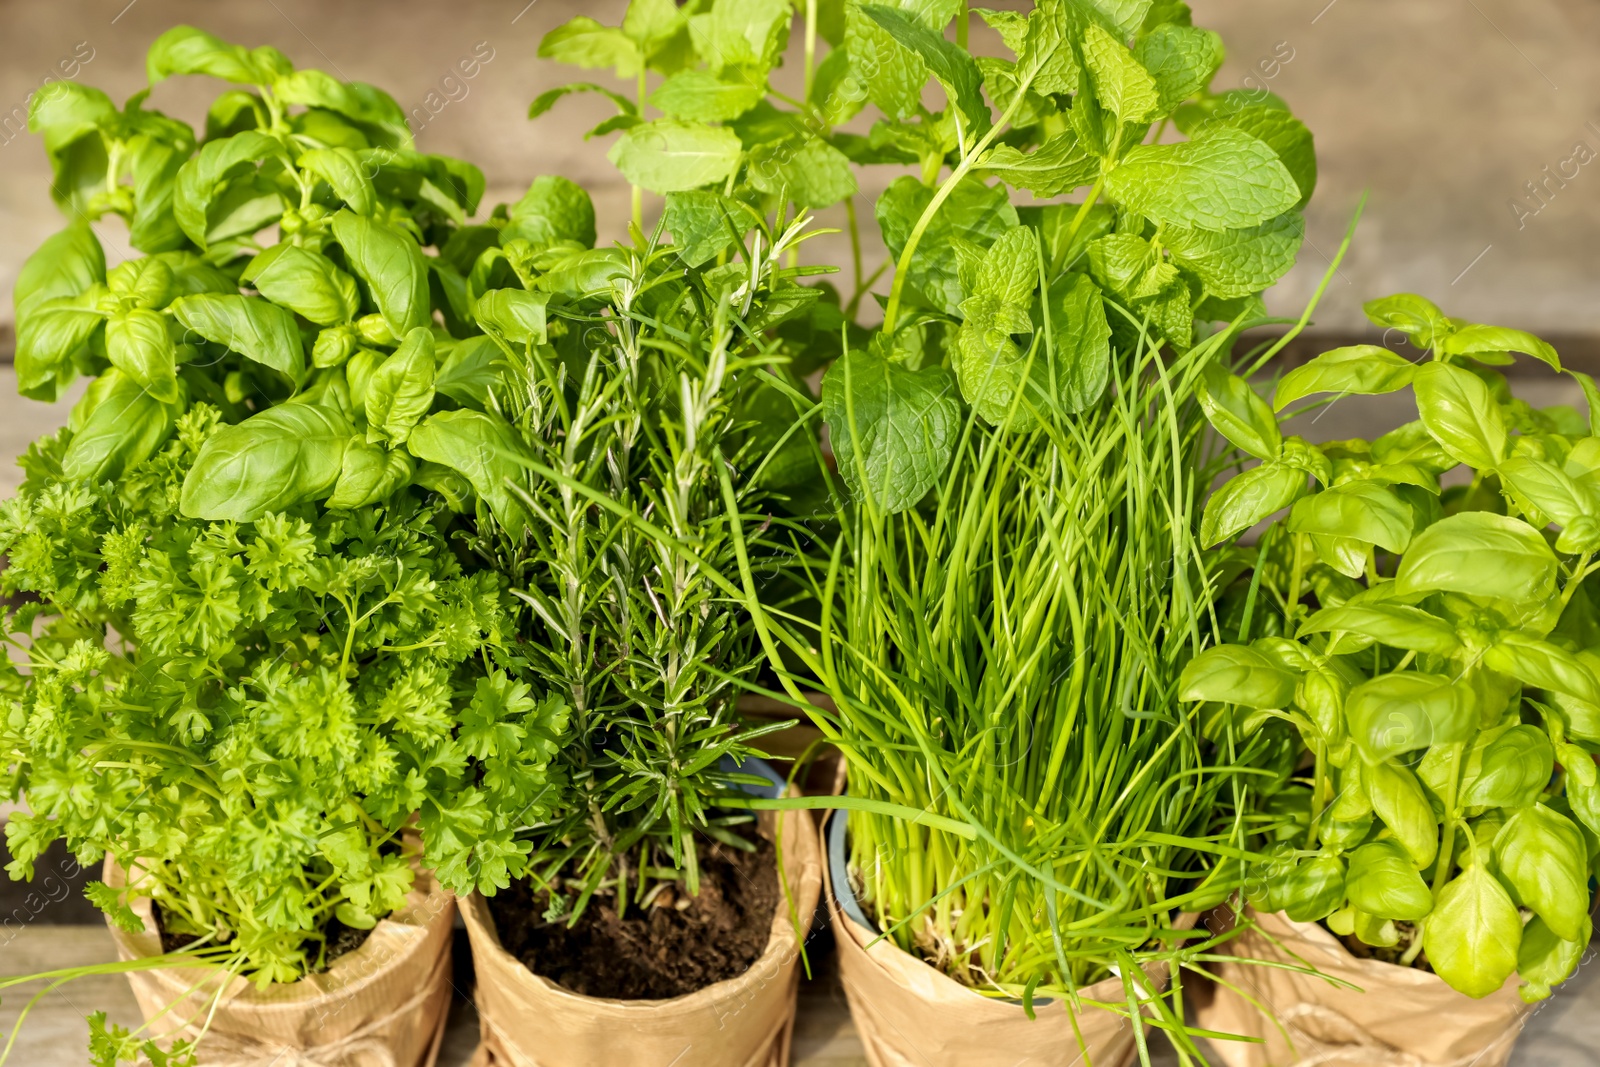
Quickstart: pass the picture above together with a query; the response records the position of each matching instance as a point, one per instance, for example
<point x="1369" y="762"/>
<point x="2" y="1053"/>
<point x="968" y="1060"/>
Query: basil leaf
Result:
<point x="138" y="344"/>
<point x="1541" y="856"/>
<point x="250" y="326"/>
<point x="1222" y="180"/>
<point x="1248" y="498"/>
<point x="1548" y="488"/>
<point x="892" y="429"/>
<point x="1361" y="369"/>
<point x="516" y="315"/>
<point x="391" y="264"/>
<point x="1312" y="890"/>
<point x="1383" y="882"/>
<point x="202" y="178"/>
<point x="1461" y="414"/>
<point x="50" y="338"/>
<point x="1408" y="710"/>
<point x="344" y="172"/>
<point x="268" y="462"/>
<point x="305" y="282"/>
<point x="1399" y="802"/>
<point x="69" y="117"/>
<point x="1510" y="771"/>
<point x="1473" y="935"/>
<point x="400" y="390"/>
<point x="1237" y="674"/>
<point x="484" y="450"/>
<point x="116" y="425"/>
<point x="469" y="371"/>
<point x="1395" y="625"/>
<point x="1544" y="960"/>
<point x="1358" y="511"/>
<point x="369" y="474"/>
<point x="186" y="50"/>
<point x="1542" y="665"/>
<point x="1237" y="413"/>
<point x="1583" y="784"/>
<point x="67" y="263"/>
<point x="1416" y="317"/>
<point x="668" y="156"/>
<point x="1478" y="340"/>
<point x="1480" y="554"/>
<point x="147" y="283"/>
<point x="1236" y="263"/>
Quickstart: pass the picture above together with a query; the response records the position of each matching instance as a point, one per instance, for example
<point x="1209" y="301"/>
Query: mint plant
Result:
<point x="1427" y="612"/>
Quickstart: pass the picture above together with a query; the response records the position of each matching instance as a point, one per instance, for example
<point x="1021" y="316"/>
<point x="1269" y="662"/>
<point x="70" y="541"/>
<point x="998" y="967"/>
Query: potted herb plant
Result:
<point x="253" y="653"/>
<point x="1017" y="582"/>
<point x="1423" y="619"/>
<point x="639" y="439"/>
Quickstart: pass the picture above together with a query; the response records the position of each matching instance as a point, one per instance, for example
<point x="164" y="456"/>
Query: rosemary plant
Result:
<point x="651" y="388"/>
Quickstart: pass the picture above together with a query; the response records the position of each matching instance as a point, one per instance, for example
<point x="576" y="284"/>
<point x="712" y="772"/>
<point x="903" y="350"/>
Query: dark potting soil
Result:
<point x="655" y="953"/>
<point x="340" y="938"/>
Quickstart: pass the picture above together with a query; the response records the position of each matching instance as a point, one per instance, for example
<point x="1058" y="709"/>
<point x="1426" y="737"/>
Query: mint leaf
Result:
<point x="892" y="429"/>
<point x="702" y="96"/>
<point x="954" y="68"/>
<point x="1121" y="84"/>
<point x="1281" y="132"/>
<point x="808" y="169"/>
<point x="1238" y="262"/>
<point x="668" y="156"/>
<point x="1223" y="180"/>
<point x="1057" y="166"/>
<point x="1181" y="59"/>
<point x="583" y="42"/>
<point x="1078" y="363"/>
<point x="973" y="212"/>
<point x="703" y="223"/>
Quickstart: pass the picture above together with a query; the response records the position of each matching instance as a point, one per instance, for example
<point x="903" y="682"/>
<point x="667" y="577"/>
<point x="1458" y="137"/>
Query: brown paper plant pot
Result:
<point x="744" y="1021"/>
<point x="909" y="1014"/>
<point x="1396" y="1017"/>
<point x="382" y="1005"/>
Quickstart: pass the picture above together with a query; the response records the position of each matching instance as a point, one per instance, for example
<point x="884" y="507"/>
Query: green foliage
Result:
<point x="246" y="715"/>
<point x="643" y="431"/>
<point x="287" y="280"/>
<point x="1438" y="585"/>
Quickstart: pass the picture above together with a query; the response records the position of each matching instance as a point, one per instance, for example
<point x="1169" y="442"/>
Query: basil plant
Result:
<point x="284" y="281"/>
<point x="1426" y="617"/>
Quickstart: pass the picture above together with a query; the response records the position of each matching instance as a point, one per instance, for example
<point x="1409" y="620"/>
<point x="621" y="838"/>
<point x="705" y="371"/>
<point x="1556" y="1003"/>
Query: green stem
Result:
<point x="968" y="161"/>
<point x="811" y="46"/>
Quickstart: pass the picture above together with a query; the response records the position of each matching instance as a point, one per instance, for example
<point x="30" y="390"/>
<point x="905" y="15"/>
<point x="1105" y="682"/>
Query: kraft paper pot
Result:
<point x="382" y="1005"/>
<point x="1396" y="1017"/>
<point x="745" y="1021"/>
<point x="909" y="1014"/>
